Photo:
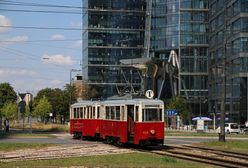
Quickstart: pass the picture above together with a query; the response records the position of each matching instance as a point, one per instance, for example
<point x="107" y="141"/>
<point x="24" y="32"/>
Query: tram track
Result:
<point x="60" y="152"/>
<point x="203" y="155"/>
<point x="237" y="155"/>
<point x="193" y="153"/>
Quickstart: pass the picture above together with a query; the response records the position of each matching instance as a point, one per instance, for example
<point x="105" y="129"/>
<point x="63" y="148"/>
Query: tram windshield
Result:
<point x="152" y="114"/>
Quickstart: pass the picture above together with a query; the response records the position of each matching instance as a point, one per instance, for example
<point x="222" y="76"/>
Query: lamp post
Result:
<point x="222" y="135"/>
<point x="72" y="70"/>
<point x="246" y="100"/>
<point x="214" y="116"/>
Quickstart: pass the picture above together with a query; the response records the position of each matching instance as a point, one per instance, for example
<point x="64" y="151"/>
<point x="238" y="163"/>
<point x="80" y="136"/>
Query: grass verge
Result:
<point x="41" y="127"/>
<point x="230" y="145"/>
<point x="11" y="146"/>
<point x="25" y="135"/>
<point x="182" y="133"/>
<point x="119" y="161"/>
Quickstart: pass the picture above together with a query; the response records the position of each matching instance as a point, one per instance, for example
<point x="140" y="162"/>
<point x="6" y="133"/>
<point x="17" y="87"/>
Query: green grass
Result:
<point x="41" y="127"/>
<point x="229" y="145"/>
<point x="119" y="160"/>
<point x="25" y="135"/>
<point x="11" y="146"/>
<point x="183" y="133"/>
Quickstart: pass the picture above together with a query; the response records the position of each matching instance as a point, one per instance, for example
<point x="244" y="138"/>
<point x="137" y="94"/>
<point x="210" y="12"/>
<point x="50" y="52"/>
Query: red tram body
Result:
<point x="135" y="121"/>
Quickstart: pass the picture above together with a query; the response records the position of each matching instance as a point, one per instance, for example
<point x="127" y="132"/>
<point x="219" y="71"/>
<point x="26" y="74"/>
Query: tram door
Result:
<point x="130" y="121"/>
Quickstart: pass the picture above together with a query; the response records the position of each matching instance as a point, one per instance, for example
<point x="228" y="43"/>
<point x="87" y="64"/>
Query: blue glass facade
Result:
<point x="113" y="30"/>
<point x="228" y="59"/>
<point x="205" y="35"/>
<point x="183" y="26"/>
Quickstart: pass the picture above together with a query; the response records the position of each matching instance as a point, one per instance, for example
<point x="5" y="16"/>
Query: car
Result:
<point x="230" y="128"/>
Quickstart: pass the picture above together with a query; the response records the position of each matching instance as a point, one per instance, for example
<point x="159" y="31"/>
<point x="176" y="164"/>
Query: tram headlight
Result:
<point x="152" y="132"/>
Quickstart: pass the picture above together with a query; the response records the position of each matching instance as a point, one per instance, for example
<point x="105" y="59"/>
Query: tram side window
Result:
<point x="98" y="112"/>
<point x="151" y="115"/>
<point x="93" y="112"/>
<point x="90" y="112"/>
<point x="137" y="113"/>
<point x="81" y="112"/>
<point x="85" y="112"/>
<point x="122" y="113"/>
<point x="77" y="112"/>
<point x="112" y="112"/>
<point x="107" y="113"/>
<point x="117" y="112"/>
<point x="74" y="112"/>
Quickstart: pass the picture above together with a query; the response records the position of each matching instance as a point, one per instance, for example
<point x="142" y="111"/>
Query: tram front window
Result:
<point x="152" y="115"/>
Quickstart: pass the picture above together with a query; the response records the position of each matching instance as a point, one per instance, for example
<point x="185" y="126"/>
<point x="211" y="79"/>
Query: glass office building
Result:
<point x="112" y="30"/>
<point x="182" y="26"/>
<point x="228" y="59"/>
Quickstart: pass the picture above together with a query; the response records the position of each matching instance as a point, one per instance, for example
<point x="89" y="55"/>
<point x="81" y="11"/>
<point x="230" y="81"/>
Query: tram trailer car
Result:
<point x="85" y="119"/>
<point x="135" y="121"/>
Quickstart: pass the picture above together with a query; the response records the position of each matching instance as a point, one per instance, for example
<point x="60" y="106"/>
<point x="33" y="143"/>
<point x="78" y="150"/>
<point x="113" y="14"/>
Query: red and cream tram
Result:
<point x="136" y="121"/>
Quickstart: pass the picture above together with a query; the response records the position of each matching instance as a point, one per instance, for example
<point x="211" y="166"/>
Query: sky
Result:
<point x="40" y="42"/>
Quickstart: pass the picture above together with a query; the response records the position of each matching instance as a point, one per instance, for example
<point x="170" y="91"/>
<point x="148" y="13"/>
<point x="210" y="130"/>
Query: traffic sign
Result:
<point x="171" y="112"/>
<point x="149" y="94"/>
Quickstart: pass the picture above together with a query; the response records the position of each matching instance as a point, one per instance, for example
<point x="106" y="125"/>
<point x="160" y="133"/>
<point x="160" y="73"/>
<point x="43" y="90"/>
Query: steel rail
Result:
<point x="191" y="153"/>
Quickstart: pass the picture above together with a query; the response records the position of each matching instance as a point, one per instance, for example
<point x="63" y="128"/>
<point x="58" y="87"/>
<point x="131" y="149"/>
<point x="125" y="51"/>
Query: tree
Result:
<point x="70" y="94"/>
<point x="7" y="94"/>
<point x="57" y="99"/>
<point x="43" y="108"/>
<point x="180" y="105"/>
<point x="10" y="110"/>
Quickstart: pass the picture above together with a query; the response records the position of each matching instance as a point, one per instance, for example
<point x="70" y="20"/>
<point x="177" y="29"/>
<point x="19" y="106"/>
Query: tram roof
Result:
<point x="84" y="102"/>
<point x="120" y="101"/>
<point x="134" y="101"/>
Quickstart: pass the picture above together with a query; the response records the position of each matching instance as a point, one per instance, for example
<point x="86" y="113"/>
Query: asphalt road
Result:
<point x="55" y="139"/>
<point x="67" y="139"/>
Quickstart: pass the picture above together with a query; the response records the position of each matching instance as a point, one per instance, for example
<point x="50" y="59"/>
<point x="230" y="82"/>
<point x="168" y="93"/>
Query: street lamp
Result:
<point x="214" y="116"/>
<point x="72" y="70"/>
<point x="246" y="100"/>
<point x="223" y="106"/>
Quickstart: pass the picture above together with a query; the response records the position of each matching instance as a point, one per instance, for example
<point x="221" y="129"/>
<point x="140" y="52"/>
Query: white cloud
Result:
<point x="57" y="59"/>
<point x="16" y="72"/>
<point x="78" y="44"/>
<point x="14" y="40"/>
<point x="57" y="37"/>
<point x="4" y="21"/>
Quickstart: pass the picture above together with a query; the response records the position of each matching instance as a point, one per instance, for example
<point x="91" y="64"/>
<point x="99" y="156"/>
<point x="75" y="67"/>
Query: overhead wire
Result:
<point x="34" y="42"/>
<point x="24" y="54"/>
<point x="40" y="11"/>
<point x="42" y="40"/>
<point x="41" y="28"/>
<point x="15" y="52"/>
<point x="6" y="2"/>
<point x="81" y="12"/>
